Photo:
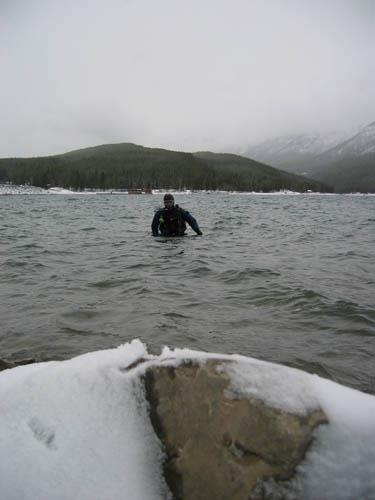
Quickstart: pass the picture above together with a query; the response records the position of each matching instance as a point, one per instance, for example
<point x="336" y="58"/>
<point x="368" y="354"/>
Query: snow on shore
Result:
<point x="9" y="189"/>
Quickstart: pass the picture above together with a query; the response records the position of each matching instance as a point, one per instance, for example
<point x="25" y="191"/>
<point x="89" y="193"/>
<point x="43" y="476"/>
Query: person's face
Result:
<point x="168" y="203"/>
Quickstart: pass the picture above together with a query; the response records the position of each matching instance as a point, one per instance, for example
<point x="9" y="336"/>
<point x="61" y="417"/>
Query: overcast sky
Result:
<point x="185" y="75"/>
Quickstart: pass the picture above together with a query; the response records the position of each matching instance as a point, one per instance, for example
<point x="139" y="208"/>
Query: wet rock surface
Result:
<point x="219" y="446"/>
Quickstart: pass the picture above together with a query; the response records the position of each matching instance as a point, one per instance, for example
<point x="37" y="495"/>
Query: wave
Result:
<point x="238" y="276"/>
<point x="175" y="315"/>
<point x="351" y="311"/>
<point x="109" y="283"/>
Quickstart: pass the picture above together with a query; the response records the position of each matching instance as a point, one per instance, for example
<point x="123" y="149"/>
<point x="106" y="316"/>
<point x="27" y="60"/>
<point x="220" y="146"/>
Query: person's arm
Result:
<point x="155" y="224"/>
<point x="191" y="221"/>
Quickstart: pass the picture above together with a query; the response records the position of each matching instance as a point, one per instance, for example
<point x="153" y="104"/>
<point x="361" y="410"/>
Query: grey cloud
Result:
<point x="197" y="75"/>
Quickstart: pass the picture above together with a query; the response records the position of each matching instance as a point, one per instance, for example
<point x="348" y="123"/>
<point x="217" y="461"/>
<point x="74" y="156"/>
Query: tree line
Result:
<point x="145" y="167"/>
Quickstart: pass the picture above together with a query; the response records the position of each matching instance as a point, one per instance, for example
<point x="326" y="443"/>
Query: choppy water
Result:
<point x="283" y="278"/>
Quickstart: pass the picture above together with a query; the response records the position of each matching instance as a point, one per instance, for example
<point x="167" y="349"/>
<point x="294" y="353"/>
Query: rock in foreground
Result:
<point x="231" y="427"/>
<point x="220" y="445"/>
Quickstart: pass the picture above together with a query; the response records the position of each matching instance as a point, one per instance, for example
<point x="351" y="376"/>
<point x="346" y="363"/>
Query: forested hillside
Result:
<point x="131" y="166"/>
<point x="349" y="175"/>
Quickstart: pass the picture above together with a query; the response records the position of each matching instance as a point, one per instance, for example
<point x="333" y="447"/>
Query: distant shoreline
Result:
<point x="11" y="189"/>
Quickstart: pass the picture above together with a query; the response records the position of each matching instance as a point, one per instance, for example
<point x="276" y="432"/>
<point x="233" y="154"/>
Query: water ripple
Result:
<point x="288" y="279"/>
<point x="236" y="276"/>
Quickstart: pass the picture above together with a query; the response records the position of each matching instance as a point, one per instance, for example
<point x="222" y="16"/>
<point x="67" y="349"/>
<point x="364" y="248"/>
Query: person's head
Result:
<point x="168" y="200"/>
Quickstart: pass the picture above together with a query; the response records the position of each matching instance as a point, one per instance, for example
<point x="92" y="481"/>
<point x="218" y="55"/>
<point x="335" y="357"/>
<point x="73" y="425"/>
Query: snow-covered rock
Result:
<point x="81" y="428"/>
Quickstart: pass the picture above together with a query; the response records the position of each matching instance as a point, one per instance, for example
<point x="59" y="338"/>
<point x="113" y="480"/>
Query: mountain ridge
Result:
<point x="292" y="152"/>
<point x="348" y="165"/>
<point x="132" y="166"/>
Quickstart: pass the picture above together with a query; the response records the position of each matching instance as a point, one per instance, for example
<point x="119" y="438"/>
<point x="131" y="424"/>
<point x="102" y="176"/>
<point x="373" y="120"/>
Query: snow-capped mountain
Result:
<point x="298" y="143"/>
<point x="349" y="166"/>
<point x="361" y="144"/>
<point x="292" y="152"/>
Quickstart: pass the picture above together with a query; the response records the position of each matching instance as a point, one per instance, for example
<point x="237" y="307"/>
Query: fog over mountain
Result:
<point x="361" y="144"/>
<point x="293" y="152"/>
<point x="212" y="75"/>
<point x="348" y="165"/>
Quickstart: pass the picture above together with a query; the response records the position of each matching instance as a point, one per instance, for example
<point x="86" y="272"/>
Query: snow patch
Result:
<point x="78" y="429"/>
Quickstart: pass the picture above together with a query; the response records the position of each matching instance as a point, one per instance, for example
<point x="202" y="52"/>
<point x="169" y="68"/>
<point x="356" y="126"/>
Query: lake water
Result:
<point x="285" y="278"/>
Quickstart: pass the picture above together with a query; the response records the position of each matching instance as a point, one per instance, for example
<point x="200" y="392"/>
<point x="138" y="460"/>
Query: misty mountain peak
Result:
<point x="292" y="151"/>
<point x="361" y="144"/>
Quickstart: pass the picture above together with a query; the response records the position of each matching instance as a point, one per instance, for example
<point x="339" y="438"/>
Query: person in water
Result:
<point x="171" y="220"/>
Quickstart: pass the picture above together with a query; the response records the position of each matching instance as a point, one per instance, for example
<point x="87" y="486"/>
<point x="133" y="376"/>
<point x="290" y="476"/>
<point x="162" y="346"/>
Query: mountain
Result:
<point x="349" y="166"/>
<point x="361" y="144"/>
<point x="128" y="165"/>
<point x="292" y="152"/>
